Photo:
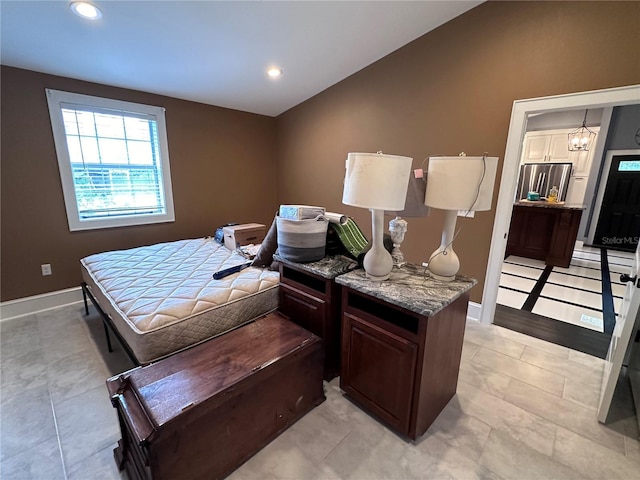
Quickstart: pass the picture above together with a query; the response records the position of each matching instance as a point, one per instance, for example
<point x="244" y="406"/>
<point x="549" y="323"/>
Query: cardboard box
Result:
<point x="238" y="235"/>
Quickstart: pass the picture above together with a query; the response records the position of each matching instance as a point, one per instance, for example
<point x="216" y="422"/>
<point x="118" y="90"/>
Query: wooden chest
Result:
<point x="203" y="412"/>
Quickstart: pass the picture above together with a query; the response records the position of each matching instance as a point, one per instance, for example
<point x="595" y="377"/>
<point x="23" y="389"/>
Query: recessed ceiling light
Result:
<point x="274" y="72"/>
<point x="86" y="10"/>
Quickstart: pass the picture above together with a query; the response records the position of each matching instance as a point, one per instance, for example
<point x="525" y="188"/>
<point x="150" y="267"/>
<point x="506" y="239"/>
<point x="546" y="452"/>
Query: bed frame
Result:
<point x="108" y="324"/>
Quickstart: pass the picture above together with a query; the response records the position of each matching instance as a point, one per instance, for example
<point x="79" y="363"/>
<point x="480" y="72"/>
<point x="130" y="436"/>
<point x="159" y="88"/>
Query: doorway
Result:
<point x="522" y="110"/>
<point x="618" y="226"/>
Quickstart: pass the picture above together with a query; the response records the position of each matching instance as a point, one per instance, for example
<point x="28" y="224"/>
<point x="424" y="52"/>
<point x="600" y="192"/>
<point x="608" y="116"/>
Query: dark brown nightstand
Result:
<point x="310" y="297"/>
<point x="401" y="345"/>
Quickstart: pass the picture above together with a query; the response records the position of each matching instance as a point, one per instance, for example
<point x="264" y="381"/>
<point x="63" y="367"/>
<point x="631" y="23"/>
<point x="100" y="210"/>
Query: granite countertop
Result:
<point x="329" y="267"/>
<point x="410" y="287"/>
<point x="545" y="204"/>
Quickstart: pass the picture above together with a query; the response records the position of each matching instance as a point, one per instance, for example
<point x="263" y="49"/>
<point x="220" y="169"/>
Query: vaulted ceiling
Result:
<point x="216" y="52"/>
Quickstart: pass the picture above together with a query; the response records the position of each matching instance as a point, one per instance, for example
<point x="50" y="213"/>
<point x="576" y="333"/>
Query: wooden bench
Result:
<point x="203" y="412"/>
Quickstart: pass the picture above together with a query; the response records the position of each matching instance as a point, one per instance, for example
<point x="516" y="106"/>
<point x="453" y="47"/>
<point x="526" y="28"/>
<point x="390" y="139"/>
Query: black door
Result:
<point x="619" y="223"/>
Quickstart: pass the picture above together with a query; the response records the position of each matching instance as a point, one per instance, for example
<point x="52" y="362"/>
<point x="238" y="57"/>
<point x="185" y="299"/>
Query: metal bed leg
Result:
<point x="107" y="325"/>
<point x="84" y="297"/>
<point x="106" y="332"/>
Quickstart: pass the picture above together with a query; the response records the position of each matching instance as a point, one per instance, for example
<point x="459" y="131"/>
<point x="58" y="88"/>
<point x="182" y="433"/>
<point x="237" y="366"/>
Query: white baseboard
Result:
<point x="39" y="303"/>
<point x="473" y="312"/>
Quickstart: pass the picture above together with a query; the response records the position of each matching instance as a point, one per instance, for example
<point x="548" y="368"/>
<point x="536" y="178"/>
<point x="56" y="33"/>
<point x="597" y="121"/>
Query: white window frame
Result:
<point x="55" y="99"/>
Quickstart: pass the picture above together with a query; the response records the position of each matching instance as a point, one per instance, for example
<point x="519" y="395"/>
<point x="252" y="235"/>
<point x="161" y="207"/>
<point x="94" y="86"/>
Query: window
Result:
<point x="113" y="160"/>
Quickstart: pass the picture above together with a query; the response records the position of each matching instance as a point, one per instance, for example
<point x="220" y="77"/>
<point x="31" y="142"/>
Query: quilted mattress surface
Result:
<point x="162" y="298"/>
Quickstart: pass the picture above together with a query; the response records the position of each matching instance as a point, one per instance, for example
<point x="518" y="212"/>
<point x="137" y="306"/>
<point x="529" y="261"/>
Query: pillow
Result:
<point x="264" y="257"/>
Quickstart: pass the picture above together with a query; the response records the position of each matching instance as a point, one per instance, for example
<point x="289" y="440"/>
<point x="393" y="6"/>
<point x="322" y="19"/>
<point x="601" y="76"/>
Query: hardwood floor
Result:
<point x="561" y="333"/>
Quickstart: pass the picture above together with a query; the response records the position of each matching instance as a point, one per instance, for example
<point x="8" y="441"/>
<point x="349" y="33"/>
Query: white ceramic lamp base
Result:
<point x="444" y="263"/>
<point x="377" y="262"/>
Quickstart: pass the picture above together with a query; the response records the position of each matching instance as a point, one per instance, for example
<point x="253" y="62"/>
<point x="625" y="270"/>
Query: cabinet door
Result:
<point x="559" y="148"/>
<point x="577" y="190"/>
<point x="582" y="162"/>
<point x="303" y="309"/>
<point x="535" y="149"/>
<point x="378" y="371"/>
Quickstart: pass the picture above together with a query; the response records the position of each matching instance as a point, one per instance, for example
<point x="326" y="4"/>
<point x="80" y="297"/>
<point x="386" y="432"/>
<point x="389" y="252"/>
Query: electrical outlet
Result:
<point x="46" y="269"/>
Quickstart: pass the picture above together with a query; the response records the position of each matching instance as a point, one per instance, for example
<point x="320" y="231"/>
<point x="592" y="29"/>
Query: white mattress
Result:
<point x="162" y="298"/>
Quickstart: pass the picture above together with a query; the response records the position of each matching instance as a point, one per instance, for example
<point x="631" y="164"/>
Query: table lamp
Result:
<point x="414" y="207"/>
<point x="456" y="184"/>
<point x="378" y="182"/>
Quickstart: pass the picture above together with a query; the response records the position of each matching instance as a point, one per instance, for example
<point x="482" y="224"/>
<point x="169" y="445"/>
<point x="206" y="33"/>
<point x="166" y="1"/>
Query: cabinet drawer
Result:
<point x="399" y="321"/>
<point x="303" y="281"/>
<point x="378" y="371"/>
<point x="305" y="310"/>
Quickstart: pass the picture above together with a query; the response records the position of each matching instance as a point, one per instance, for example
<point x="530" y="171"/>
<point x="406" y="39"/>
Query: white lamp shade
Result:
<point x="414" y="205"/>
<point x="375" y="180"/>
<point x="461" y="183"/>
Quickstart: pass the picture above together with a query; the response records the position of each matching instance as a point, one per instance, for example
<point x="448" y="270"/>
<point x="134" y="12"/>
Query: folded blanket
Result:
<point x="351" y="237"/>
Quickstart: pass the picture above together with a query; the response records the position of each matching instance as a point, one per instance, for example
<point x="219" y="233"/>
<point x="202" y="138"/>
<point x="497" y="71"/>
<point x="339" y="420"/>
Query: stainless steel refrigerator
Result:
<point x="542" y="177"/>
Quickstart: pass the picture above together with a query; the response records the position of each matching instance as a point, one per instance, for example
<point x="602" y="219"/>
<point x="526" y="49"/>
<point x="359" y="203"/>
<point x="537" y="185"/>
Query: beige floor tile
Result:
<point x="101" y="466"/>
<point x="19" y="337"/>
<point x="632" y="449"/>
<point x="40" y="462"/>
<point x="512" y="459"/>
<point x="520" y="424"/>
<point x="585" y="395"/>
<point x="514" y="368"/>
<point x="27" y="421"/>
<point x="362" y="446"/>
<point x="564" y="413"/>
<point x="281" y="459"/>
<point x="504" y="345"/>
<point x="73" y="375"/>
<point x="595" y="363"/>
<point x="564" y="367"/>
<point x="60" y="343"/>
<point x="476" y="334"/>
<point x="465" y="433"/>
<point x="318" y="432"/>
<point x="592" y="459"/>
<point x="469" y="349"/>
<point x="22" y="372"/>
<point x="543" y="345"/>
<point x="435" y="459"/>
<point x="86" y="431"/>
<point x="483" y="378"/>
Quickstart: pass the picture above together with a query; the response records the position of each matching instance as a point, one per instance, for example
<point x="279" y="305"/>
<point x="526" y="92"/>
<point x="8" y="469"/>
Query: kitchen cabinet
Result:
<point x="577" y="189"/>
<point x="545" y="146"/>
<point x="582" y="162"/>
<point x="544" y="231"/>
<point x="551" y="146"/>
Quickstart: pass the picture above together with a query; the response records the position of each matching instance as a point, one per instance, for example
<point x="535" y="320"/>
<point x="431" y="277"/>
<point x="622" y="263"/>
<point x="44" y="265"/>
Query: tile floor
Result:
<point x="525" y="409"/>
<point x="573" y="294"/>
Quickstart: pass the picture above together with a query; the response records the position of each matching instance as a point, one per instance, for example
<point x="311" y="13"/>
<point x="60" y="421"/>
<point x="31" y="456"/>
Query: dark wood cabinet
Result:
<point x="310" y="297"/>
<point x="201" y="413"/>
<point x="401" y="349"/>
<point x="380" y="366"/>
<point x="545" y="233"/>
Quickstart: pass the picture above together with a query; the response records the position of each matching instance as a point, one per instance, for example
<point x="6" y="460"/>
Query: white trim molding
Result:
<point x="22" y="307"/>
<point x="522" y="109"/>
<point x="473" y="311"/>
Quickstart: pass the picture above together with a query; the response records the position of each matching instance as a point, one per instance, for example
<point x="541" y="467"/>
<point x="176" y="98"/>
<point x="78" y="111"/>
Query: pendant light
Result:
<point x="581" y="138"/>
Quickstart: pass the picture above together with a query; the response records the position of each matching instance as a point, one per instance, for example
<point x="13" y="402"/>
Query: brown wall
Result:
<point x="222" y="170"/>
<point x="449" y="91"/>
